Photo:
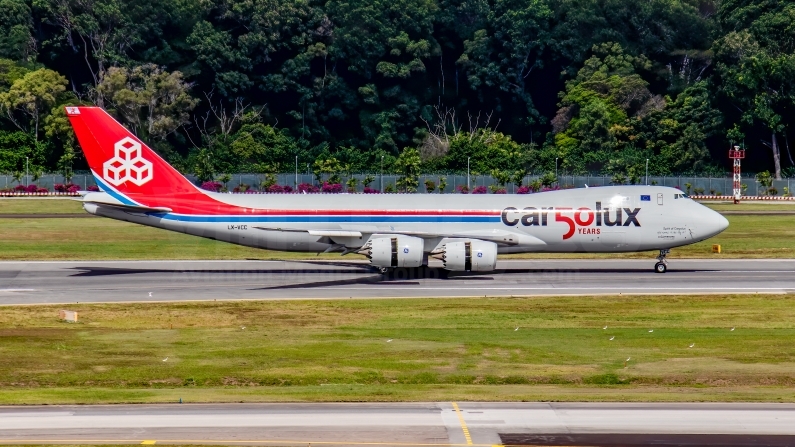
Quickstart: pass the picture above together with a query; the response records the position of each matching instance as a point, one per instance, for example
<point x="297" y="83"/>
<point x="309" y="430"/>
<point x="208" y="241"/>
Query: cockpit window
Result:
<point x="681" y="196"/>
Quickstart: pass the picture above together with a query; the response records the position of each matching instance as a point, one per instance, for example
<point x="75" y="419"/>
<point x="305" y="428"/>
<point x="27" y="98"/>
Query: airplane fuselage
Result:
<point x="588" y="220"/>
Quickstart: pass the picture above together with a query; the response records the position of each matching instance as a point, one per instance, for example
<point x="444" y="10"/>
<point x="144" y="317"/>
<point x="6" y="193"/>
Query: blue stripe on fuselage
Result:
<point x="113" y="193"/>
<point x="329" y="219"/>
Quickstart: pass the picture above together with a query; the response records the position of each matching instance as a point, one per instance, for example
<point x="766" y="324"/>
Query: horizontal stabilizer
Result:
<point x="132" y="208"/>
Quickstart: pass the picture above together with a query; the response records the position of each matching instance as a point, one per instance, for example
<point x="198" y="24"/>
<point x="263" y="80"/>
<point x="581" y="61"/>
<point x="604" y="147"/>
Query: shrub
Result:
<point x="19" y="188"/>
<point x="92" y="188"/>
<point x="307" y="188"/>
<point x="698" y="191"/>
<point x="553" y="188"/>
<point x="462" y="189"/>
<point x="211" y="186"/>
<point x="275" y="188"/>
<point x="42" y="190"/>
<point x="772" y="191"/>
<point x="59" y="187"/>
<point x="480" y="190"/>
<point x="368" y="190"/>
<point x="390" y="188"/>
<point x="32" y="188"/>
<point x="430" y="186"/>
<point x="331" y="188"/>
<point x="500" y="191"/>
<point x="523" y="190"/>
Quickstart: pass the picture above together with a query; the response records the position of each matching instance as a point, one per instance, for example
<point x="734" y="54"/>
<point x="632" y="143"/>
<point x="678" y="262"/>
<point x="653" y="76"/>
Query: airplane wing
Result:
<point x="496" y="236"/>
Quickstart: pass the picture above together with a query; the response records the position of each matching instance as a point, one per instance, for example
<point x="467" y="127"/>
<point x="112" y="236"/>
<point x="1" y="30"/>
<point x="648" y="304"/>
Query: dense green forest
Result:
<point x="513" y="86"/>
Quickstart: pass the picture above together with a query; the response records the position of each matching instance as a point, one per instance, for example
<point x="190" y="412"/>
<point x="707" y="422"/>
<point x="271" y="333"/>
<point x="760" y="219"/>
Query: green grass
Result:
<point x="18" y="205"/>
<point x="754" y="206"/>
<point x="462" y="349"/>
<point x="98" y="239"/>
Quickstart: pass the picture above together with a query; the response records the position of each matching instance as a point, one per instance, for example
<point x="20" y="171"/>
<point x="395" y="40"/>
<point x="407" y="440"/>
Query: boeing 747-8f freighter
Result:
<point x="465" y="232"/>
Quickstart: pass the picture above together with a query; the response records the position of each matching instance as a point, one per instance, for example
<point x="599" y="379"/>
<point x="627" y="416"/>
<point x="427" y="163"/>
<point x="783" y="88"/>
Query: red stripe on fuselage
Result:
<point x="205" y="205"/>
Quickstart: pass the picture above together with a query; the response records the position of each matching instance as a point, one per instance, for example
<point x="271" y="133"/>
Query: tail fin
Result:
<point x="120" y="162"/>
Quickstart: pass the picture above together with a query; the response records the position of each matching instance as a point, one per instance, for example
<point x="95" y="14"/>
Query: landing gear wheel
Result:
<point x="662" y="266"/>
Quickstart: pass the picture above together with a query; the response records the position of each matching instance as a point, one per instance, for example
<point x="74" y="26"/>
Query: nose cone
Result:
<point x="712" y="223"/>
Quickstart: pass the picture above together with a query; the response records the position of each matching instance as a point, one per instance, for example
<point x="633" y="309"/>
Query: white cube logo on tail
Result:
<point x="127" y="164"/>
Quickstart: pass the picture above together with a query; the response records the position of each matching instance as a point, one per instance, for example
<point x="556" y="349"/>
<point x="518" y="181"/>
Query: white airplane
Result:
<point x="465" y="232"/>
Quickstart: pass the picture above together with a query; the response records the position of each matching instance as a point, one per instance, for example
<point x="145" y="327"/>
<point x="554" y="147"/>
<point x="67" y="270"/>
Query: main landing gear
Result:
<point x="662" y="265"/>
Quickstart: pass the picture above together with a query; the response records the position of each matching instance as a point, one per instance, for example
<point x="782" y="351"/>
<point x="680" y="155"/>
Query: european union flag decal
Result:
<point x="645" y="198"/>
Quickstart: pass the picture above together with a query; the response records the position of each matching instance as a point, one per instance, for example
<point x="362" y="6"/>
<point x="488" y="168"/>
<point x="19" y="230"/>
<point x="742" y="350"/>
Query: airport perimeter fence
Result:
<point x="698" y="185"/>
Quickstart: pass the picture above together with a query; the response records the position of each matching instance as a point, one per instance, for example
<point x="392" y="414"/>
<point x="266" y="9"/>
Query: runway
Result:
<point x="69" y="282"/>
<point x="429" y="424"/>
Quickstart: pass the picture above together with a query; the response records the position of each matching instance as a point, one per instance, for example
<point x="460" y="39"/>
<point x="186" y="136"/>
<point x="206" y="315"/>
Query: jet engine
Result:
<point x="395" y="251"/>
<point x="468" y="255"/>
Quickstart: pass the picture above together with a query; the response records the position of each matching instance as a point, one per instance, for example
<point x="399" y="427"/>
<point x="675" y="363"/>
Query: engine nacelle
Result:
<point x="468" y="256"/>
<point x="395" y="251"/>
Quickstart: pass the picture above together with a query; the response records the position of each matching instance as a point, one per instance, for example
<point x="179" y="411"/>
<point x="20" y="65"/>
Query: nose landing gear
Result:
<point x="662" y="265"/>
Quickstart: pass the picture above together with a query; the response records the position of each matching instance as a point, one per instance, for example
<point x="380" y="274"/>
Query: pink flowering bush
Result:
<point x="480" y="190"/>
<point x="211" y="186"/>
<point x="280" y="189"/>
<point x="524" y="190"/>
<point x="462" y="189"/>
<point x="92" y="188"/>
<point x="42" y="190"/>
<point x="368" y="190"/>
<point x="500" y="191"/>
<point x="73" y="189"/>
<point x="332" y="188"/>
<point x="307" y="188"/>
<point x="553" y="188"/>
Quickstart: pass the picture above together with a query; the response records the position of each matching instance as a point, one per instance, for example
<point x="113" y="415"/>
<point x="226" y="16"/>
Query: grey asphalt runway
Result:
<point x="480" y="424"/>
<point x="69" y="282"/>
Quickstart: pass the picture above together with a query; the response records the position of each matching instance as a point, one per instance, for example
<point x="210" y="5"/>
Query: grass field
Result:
<point x="99" y="239"/>
<point x="441" y="349"/>
<point x="16" y="205"/>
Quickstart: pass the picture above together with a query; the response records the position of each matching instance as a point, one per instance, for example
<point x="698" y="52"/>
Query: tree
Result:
<point x="596" y="109"/>
<point x="152" y="102"/>
<point x="32" y="96"/>
<point x="756" y="64"/>
<point x="16" y="148"/>
<point x="258" y="147"/>
<point x="16" y="23"/>
<point x="329" y="166"/>
<point x="408" y="165"/>
<point x="503" y="54"/>
<point x="104" y="32"/>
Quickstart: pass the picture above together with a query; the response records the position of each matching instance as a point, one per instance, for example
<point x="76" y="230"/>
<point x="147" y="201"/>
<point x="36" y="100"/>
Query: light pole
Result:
<point x="468" y="174"/>
<point x="382" y="174"/>
<point x="296" y="171"/>
<point x="26" y="171"/>
<point x="647" y="172"/>
<point x="556" y="169"/>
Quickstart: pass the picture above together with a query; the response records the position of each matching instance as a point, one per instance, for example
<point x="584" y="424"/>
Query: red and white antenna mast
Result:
<point x="737" y="154"/>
